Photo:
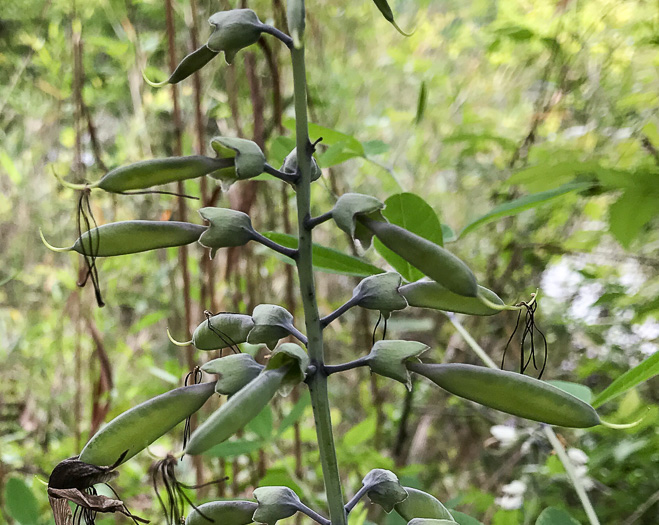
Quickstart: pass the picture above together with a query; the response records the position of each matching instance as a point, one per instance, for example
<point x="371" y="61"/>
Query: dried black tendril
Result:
<point x="173" y="504"/>
<point x="195" y="377"/>
<point x="230" y="343"/>
<point x="384" y="331"/>
<point x="85" y="218"/>
<point x="530" y="328"/>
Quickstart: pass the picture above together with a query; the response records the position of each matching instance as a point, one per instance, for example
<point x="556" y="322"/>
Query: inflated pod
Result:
<point x="154" y="172"/>
<point x="239" y="410"/>
<point x="237" y="512"/>
<point x="510" y="392"/>
<point x="430" y="294"/>
<point x="122" y="238"/>
<point x="419" y="504"/>
<point x="188" y="66"/>
<point x="433" y="260"/>
<point x="137" y="428"/>
<point x="233" y="328"/>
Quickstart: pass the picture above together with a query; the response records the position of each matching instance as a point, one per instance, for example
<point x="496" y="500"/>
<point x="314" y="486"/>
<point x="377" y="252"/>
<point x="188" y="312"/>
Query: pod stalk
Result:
<point x="74" y="185"/>
<point x="152" y="83"/>
<point x="178" y="343"/>
<point x="51" y="247"/>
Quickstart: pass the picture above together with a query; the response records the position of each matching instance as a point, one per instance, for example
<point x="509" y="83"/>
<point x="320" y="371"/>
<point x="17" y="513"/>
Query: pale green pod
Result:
<point x="293" y="357"/>
<point x="380" y="292"/>
<point x="275" y="503"/>
<point x="232" y="327"/>
<point x="419" y="504"/>
<point x="513" y="393"/>
<point x="248" y="159"/>
<point x="296" y="21"/>
<point x="238" y="512"/>
<point x="227" y="228"/>
<point x="234" y="30"/>
<point x="126" y="237"/>
<point x="389" y="358"/>
<point x="234" y="372"/>
<point x="384" y="488"/>
<point x="137" y="428"/>
<point x="430" y="258"/>
<point x="290" y="166"/>
<point x="271" y="323"/>
<point x="430" y="521"/>
<point x="346" y="210"/>
<point x="431" y="294"/>
<point x="239" y="410"/>
<point x="148" y="173"/>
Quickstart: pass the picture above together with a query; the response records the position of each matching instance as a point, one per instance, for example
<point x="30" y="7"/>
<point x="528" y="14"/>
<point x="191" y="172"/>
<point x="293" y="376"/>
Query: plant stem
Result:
<point x="333" y="369"/>
<point x="318" y="382"/>
<point x="338" y="312"/>
<point x="548" y="431"/>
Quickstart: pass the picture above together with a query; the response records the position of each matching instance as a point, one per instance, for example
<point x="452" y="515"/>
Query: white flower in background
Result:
<point x="504" y="434"/>
<point x="577" y="456"/>
<point x="579" y="459"/>
<point x="513" y="495"/>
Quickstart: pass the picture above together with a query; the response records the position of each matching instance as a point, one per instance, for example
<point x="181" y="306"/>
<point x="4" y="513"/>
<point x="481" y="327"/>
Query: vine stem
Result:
<point x="548" y="431"/>
<point x="318" y="382"/>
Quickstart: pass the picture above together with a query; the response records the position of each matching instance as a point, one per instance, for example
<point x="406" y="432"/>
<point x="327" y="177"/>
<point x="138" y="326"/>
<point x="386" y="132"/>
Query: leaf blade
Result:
<point x="630" y="379"/>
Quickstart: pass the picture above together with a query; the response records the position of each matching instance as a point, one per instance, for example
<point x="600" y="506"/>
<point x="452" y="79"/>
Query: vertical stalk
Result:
<point x="318" y="382"/>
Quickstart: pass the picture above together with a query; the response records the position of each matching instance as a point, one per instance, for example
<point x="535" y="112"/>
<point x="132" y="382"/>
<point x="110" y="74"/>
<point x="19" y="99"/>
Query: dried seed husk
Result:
<point x="513" y="393"/>
<point x="434" y="261"/>
<point x="137" y="428"/>
<point x="234" y="329"/>
<point x="238" y="512"/>
<point x="148" y="173"/>
<point x="431" y="294"/>
<point x="419" y="504"/>
<point x="239" y="410"/>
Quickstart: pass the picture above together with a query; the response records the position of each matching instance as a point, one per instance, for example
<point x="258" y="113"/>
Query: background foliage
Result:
<point x="554" y="104"/>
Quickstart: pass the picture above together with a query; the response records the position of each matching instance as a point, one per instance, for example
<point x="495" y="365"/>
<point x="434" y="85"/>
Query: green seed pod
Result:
<point x="389" y="358"/>
<point x="271" y="323"/>
<point x="239" y="410"/>
<point x="189" y="65"/>
<point x="290" y="166"/>
<point x="122" y="238"/>
<point x="420" y="504"/>
<point x="275" y="503"/>
<point x="296" y="21"/>
<point x="384" y="488"/>
<point x="227" y="228"/>
<point x="233" y="328"/>
<point x="154" y="172"/>
<point x="223" y="513"/>
<point x="513" y="393"/>
<point x="296" y="359"/>
<point x="233" y="31"/>
<point x="380" y="292"/>
<point x="388" y="14"/>
<point x="137" y="428"/>
<point x="249" y="161"/>
<point x="430" y="294"/>
<point x="234" y="372"/>
<point x="346" y="210"/>
<point x="433" y="260"/>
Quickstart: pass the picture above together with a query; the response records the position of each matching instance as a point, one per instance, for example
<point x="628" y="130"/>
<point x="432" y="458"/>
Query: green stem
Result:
<point x="318" y="382"/>
<point x="548" y="431"/>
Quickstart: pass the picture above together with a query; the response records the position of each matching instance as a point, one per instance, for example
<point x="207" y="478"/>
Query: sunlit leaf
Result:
<point x="634" y="377"/>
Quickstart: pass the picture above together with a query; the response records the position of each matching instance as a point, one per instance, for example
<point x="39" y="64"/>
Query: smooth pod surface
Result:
<point x="419" y="504"/>
<point x="232" y="329"/>
<point x="192" y="63"/>
<point x="147" y="173"/>
<point x="122" y="238"/>
<point x="433" y="260"/>
<point x="430" y="294"/>
<point x="239" y="410"/>
<point x="511" y="392"/>
<point x="137" y="428"/>
<point x="223" y="513"/>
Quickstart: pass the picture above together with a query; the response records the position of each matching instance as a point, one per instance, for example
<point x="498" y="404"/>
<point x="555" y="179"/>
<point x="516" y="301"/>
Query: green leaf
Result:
<point x="464" y="519"/>
<point x="236" y="447"/>
<point x="295" y="414"/>
<point x="523" y="203"/>
<point x="633" y="210"/>
<point x="580" y="391"/>
<point x="411" y="212"/>
<point x="262" y="424"/>
<point x="554" y="516"/>
<point x="336" y="154"/>
<point x="326" y="259"/>
<point x="21" y="503"/>
<point x="360" y="433"/>
<point x="421" y="103"/>
<point x="637" y="375"/>
<point x="375" y="147"/>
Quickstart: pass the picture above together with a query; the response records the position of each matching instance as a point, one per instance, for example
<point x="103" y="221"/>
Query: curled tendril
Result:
<point x="384" y="331"/>
<point x="530" y="328"/>
<point x="85" y="218"/>
<point x="195" y="377"/>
